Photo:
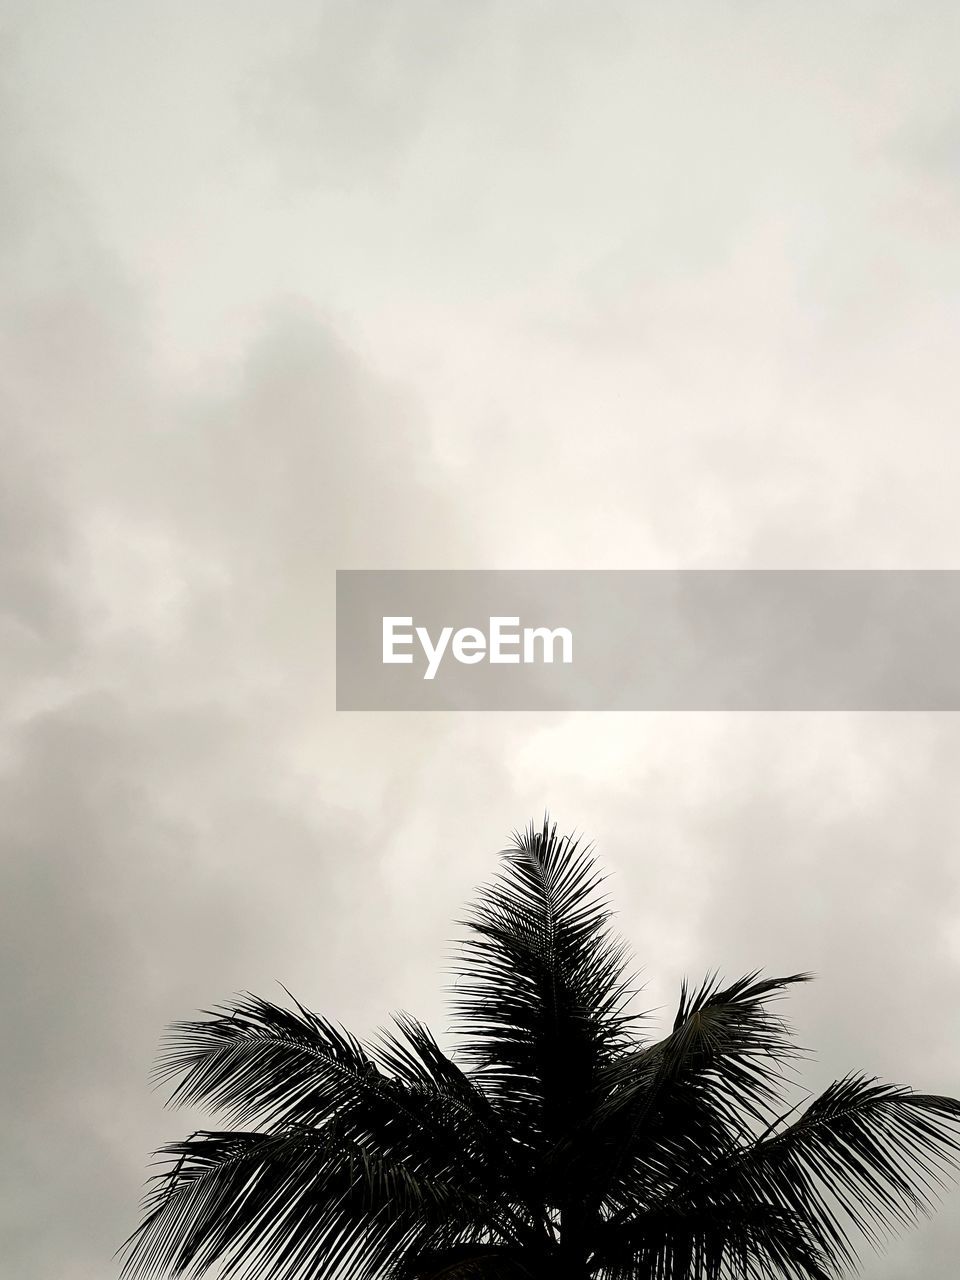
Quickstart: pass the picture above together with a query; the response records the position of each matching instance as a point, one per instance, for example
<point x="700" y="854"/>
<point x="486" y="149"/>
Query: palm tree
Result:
<point x="559" y="1144"/>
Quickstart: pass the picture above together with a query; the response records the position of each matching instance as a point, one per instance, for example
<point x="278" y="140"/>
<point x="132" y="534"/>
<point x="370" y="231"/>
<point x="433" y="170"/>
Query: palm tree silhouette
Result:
<point x="559" y="1142"/>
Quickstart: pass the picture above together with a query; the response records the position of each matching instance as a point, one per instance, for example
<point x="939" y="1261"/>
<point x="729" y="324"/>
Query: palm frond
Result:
<point x="256" y="1061"/>
<point x="676" y="1242"/>
<point x="691" y="1097"/>
<point x="864" y="1158"/>
<point x="728" y="1036"/>
<point x="542" y="989"/>
<point x="453" y="1100"/>
<point x="873" y="1154"/>
<point x="297" y="1200"/>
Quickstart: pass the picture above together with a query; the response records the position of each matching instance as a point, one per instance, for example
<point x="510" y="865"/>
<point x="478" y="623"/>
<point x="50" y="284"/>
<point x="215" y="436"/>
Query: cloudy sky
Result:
<point x="296" y="286"/>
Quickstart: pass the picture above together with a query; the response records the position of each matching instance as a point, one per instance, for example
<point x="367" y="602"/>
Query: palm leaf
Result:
<point x="542" y="993"/>
<point x="873" y="1155"/>
<point x="297" y="1199"/>
<point x="256" y="1061"/>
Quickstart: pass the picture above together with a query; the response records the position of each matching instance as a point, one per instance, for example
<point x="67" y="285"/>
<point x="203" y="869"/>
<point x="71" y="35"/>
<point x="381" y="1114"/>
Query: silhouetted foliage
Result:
<point x="558" y="1142"/>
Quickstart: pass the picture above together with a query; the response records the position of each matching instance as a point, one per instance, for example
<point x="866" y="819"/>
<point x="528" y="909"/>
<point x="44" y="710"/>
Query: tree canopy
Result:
<point x="558" y="1139"/>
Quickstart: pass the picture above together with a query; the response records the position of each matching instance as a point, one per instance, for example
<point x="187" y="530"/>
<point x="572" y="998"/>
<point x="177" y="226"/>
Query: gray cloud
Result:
<point x="438" y="286"/>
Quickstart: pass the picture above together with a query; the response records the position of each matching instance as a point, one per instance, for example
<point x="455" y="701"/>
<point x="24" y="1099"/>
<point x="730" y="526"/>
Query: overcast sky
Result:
<point x="295" y="286"/>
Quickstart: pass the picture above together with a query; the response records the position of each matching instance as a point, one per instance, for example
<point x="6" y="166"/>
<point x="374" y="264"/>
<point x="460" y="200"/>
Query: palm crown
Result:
<point x="558" y="1142"/>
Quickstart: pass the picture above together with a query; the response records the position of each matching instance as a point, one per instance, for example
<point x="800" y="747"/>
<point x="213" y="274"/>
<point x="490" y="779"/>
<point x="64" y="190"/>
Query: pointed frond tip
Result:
<point x="259" y="1061"/>
<point x="544" y="986"/>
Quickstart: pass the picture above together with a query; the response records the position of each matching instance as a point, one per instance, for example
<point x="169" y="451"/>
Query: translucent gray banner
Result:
<point x="684" y="640"/>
